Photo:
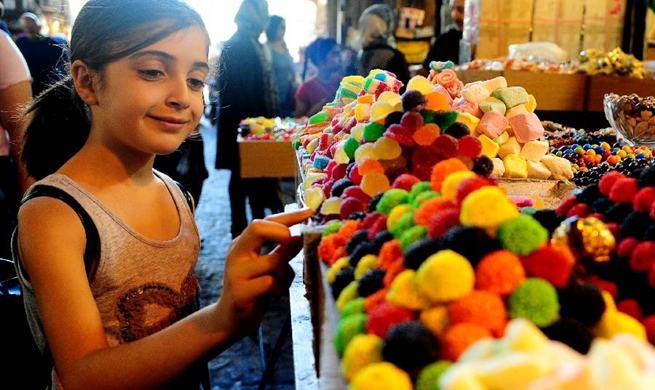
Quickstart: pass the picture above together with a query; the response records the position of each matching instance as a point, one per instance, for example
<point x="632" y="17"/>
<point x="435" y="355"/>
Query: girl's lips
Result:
<point x="170" y="123"/>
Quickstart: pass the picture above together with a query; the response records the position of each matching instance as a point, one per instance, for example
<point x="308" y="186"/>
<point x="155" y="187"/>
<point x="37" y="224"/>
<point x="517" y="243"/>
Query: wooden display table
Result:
<point x="599" y="85"/>
<point x="267" y="159"/>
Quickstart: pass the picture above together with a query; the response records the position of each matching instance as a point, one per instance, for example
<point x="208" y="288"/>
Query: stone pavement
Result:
<point x="241" y="366"/>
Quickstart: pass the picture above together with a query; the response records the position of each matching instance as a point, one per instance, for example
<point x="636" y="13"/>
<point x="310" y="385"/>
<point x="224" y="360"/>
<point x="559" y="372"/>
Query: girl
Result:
<point x="313" y="93"/>
<point x="135" y="90"/>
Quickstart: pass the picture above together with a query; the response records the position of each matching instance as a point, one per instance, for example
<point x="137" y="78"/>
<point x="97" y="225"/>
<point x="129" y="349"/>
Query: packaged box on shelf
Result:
<point x="267" y="159"/>
<point x="469" y="76"/>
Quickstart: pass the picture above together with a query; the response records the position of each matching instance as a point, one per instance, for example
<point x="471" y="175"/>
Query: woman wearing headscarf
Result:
<point x="246" y="90"/>
<point x="377" y="45"/>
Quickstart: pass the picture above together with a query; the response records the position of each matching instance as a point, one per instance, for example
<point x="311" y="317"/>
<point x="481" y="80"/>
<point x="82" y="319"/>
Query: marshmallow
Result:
<point x="501" y="139"/>
<point x="463" y="105"/>
<point x="527" y="127"/>
<point x="559" y="167"/>
<point x="516" y="110"/>
<point x="511" y="96"/>
<point x="495" y="83"/>
<point x="531" y="105"/>
<point x="512" y="146"/>
<point x="537" y="170"/>
<point x="534" y="150"/>
<point x="515" y="166"/>
<point x="492" y="124"/>
<point x="493" y="104"/>
<point x="475" y="92"/>
<point x="489" y="147"/>
<point x="499" y="167"/>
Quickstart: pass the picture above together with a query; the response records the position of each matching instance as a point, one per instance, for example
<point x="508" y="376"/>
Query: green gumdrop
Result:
<point x="428" y="378"/>
<point x="332" y="227"/>
<point x="428" y="116"/>
<point x="412" y="235"/>
<point x="535" y="300"/>
<point x="419" y="188"/>
<point x="445" y="118"/>
<point x="405" y="222"/>
<point x="348" y="328"/>
<point x="319" y="117"/>
<point x="392" y="198"/>
<point x="373" y="131"/>
<point x="356" y="306"/>
<point x="422" y="197"/>
<point x="522" y="235"/>
<point x="296" y="144"/>
<point x="350" y="147"/>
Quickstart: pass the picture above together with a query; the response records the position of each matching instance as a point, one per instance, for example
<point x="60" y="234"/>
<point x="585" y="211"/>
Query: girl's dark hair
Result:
<point x="58" y="121"/>
<point x="273" y="23"/>
<point x="318" y="51"/>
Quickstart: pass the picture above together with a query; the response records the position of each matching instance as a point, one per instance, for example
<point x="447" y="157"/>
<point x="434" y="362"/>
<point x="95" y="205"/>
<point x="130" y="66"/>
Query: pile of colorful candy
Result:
<point x="430" y="269"/>
<point x="614" y="63"/>
<point x="594" y="153"/>
<point x="627" y="206"/>
<point x="370" y="135"/>
<point x="265" y="129"/>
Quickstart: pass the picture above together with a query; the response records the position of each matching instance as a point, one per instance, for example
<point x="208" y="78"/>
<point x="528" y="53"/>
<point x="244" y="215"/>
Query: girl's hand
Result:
<point x="4" y="142"/>
<point x="250" y="278"/>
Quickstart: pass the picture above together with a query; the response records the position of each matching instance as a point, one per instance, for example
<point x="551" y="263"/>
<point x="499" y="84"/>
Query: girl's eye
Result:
<point x="196" y="84"/>
<point x="151" y="74"/>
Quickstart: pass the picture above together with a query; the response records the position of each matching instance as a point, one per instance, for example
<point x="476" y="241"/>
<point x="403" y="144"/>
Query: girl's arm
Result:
<point x="53" y="258"/>
<point x="13" y="100"/>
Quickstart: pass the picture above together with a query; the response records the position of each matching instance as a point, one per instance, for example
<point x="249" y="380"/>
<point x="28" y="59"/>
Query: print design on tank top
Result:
<point x="132" y="310"/>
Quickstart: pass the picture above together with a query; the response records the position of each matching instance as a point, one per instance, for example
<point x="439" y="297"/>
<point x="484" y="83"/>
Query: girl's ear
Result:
<point x="83" y="81"/>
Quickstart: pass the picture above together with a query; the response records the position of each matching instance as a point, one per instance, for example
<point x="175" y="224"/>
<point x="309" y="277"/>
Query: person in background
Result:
<point x="348" y="61"/>
<point x="134" y="91"/>
<point x="377" y="45"/>
<point x="247" y="89"/>
<point x="325" y="56"/>
<point x="45" y="55"/>
<point x="446" y="46"/>
<point x="3" y="25"/>
<point x="15" y="94"/>
<point x="283" y="66"/>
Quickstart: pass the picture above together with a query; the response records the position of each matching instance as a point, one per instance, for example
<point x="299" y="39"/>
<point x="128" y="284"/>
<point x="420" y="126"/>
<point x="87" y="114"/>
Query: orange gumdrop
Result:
<point x="426" y="134"/>
<point x="369" y="164"/>
<point x="437" y="102"/>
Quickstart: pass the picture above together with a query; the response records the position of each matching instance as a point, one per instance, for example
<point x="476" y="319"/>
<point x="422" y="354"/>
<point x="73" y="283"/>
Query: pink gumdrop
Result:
<point x="411" y="120"/>
<point x="446" y="146"/>
<point x="354" y="174"/>
<point x="405" y="181"/>
<point x="357" y="193"/>
<point x="339" y="171"/>
<point x="349" y="206"/>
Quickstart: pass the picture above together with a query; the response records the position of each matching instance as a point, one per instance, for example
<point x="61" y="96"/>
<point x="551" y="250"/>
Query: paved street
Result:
<point x="241" y="366"/>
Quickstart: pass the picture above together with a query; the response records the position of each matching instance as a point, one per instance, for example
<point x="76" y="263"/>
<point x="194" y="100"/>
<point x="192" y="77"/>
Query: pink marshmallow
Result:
<point x="492" y="124"/>
<point x="527" y="127"/>
<point x="472" y="108"/>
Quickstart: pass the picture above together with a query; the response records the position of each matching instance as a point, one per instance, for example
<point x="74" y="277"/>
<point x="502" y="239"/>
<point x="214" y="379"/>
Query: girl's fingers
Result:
<point x="273" y="228"/>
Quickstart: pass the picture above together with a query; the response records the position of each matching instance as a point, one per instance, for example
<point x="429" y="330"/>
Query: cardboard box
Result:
<point x="267" y="159"/>
<point x="553" y="91"/>
<point x="469" y="76"/>
<point x="599" y="85"/>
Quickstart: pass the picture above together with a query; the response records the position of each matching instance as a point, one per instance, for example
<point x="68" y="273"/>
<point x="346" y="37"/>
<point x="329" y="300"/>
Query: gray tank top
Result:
<point x="141" y="285"/>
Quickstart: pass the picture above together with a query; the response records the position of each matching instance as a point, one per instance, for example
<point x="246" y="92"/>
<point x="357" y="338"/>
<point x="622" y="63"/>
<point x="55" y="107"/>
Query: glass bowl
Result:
<point x="633" y="118"/>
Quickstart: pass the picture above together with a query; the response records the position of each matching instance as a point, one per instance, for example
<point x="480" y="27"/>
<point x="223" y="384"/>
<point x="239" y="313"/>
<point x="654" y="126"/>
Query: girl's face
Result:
<point x="150" y="101"/>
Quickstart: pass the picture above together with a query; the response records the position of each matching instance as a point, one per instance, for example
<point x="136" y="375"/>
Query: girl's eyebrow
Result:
<point x="167" y="57"/>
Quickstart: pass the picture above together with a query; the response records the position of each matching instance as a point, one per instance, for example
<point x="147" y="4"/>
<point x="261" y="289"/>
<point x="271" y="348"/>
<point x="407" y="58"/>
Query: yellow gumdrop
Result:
<point x="450" y="183"/>
<point x="421" y="84"/>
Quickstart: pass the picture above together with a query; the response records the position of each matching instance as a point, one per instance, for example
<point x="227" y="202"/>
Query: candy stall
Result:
<point x="262" y="140"/>
<point x="461" y="242"/>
